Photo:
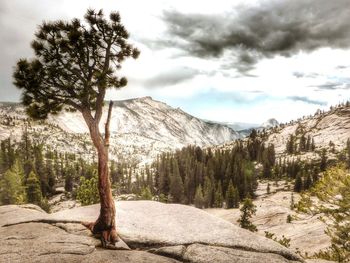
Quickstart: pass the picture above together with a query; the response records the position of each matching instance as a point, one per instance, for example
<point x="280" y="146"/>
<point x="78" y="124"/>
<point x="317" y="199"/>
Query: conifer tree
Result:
<point x="40" y="169"/>
<point x="307" y="182"/>
<point x="87" y="193"/>
<point x="298" y="185"/>
<point x="232" y="196"/>
<point x="219" y="198"/>
<point x="323" y="164"/>
<point x="176" y="184"/>
<point x="292" y="202"/>
<point x="313" y="146"/>
<point x="208" y="192"/>
<point x="302" y="143"/>
<point x="198" y="198"/>
<point x="34" y="195"/>
<point x="75" y="63"/>
<point x="236" y="198"/>
<point x="348" y="152"/>
<point x="308" y="143"/>
<point x="146" y="194"/>
<point x="51" y="178"/>
<point x="290" y="147"/>
<point x="11" y="186"/>
<point x="247" y="211"/>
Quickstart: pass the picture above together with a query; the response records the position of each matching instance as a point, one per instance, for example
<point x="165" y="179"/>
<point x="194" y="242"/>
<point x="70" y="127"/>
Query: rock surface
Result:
<point x="170" y="232"/>
<point x="307" y="233"/>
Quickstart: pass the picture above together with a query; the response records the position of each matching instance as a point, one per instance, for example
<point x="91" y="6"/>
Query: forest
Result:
<point x="204" y="177"/>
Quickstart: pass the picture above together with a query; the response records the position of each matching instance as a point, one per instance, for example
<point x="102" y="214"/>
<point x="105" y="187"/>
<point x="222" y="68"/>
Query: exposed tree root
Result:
<point x="107" y="234"/>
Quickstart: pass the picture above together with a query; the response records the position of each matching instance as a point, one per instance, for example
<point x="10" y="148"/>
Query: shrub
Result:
<point x="87" y="193"/>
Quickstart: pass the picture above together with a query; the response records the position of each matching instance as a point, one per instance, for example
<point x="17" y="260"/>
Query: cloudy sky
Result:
<point x="227" y="61"/>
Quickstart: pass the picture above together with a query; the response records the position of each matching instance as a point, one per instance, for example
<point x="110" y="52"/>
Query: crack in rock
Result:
<point x="18" y="238"/>
<point x="66" y="253"/>
<point x="70" y="242"/>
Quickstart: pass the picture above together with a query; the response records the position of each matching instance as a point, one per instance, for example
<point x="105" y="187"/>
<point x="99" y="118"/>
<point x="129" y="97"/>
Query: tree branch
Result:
<point x="107" y="132"/>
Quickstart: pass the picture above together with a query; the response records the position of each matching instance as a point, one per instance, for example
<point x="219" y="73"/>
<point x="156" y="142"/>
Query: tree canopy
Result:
<point x="75" y="63"/>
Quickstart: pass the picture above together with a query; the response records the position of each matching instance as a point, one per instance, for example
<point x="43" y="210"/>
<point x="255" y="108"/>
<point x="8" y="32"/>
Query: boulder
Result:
<point x="175" y="231"/>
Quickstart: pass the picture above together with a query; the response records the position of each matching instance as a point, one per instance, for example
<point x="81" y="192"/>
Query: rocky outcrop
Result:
<point x="155" y="232"/>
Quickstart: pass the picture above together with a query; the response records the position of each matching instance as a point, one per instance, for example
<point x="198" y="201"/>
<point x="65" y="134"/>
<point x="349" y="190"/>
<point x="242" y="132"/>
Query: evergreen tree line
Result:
<point x="36" y="173"/>
<point x="205" y="178"/>
<point x="302" y="144"/>
<point x="208" y="178"/>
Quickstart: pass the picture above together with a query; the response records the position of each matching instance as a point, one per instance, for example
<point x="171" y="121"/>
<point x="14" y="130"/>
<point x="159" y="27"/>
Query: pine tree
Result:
<point x="292" y="203"/>
<point x="176" y="184"/>
<point x="51" y="178"/>
<point x="247" y="211"/>
<point x="307" y="182"/>
<point x="75" y="64"/>
<point x="348" y="152"/>
<point x="11" y="186"/>
<point x="34" y="195"/>
<point x="219" y="198"/>
<point x="232" y="196"/>
<point x="87" y="193"/>
<point x="290" y="147"/>
<point x="308" y="143"/>
<point x="40" y="169"/>
<point x="323" y="164"/>
<point x="198" y="198"/>
<point x="298" y="185"/>
<point x="236" y="198"/>
<point x="313" y="146"/>
<point x="146" y="194"/>
<point x="302" y="143"/>
<point x="208" y="192"/>
<point x="68" y="181"/>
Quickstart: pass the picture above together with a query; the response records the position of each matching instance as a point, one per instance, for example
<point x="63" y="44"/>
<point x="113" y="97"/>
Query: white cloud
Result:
<point x="275" y="79"/>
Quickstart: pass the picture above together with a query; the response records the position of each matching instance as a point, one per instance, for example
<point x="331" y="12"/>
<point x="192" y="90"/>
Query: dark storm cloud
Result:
<point x="307" y="100"/>
<point x="172" y="77"/>
<point x="265" y="30"/>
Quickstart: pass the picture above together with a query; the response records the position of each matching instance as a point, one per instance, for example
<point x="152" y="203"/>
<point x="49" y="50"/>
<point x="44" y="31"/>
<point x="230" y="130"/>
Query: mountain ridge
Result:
<point x="140" y="127"/>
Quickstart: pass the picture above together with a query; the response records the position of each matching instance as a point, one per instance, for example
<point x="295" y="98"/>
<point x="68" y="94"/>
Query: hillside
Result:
<point x="324" y="127"/>
<point x="140" y="128"/>
<point x="329" y="130"/>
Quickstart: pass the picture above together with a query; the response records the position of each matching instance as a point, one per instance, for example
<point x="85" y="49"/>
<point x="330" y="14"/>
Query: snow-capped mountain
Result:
<point x="140" y="128"/>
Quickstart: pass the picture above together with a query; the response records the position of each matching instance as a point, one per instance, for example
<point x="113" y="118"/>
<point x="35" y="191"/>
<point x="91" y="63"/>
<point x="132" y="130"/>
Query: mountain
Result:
<point x="239" y="126"/>
<point x="140" y="129"/>
<point x="326" y="128"/>
<point x="330" y="130"/>
<point x="270" y="123"/>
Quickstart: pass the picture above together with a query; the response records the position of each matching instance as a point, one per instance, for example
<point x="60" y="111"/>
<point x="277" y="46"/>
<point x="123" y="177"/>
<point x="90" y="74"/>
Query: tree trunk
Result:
<point x="104" y="226"/>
